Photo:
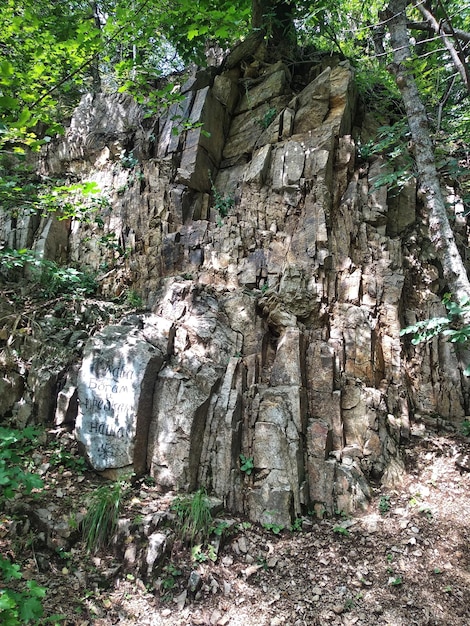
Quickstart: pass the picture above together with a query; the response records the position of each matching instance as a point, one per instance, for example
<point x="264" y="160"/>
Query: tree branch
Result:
<point x="461" y="35"/>
<point x="456" y="57"/>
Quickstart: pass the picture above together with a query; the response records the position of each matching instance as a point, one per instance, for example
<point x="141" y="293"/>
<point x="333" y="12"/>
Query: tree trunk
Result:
<point x="276" y="18"/>
<point x="441" y="233"/>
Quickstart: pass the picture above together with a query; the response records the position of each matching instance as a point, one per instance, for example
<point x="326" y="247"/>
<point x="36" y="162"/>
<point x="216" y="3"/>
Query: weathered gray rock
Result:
<point x="115" y="392"/>
<point x="312" y="104"/>
<point x="11" y="390"/>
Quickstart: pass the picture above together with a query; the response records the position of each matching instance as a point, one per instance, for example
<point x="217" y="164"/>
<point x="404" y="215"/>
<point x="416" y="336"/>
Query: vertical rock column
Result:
<point x="279" y="488"/>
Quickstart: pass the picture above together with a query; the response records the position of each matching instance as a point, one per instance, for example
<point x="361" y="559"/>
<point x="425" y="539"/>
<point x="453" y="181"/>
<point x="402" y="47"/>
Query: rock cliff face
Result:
<point x="275" y="279"/>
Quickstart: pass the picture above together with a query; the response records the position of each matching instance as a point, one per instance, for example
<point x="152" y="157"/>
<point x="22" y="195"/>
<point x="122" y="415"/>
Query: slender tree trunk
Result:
<point x="275" y="17"/>
<point x="441" y="233"/>
<point x="95" y="63"/>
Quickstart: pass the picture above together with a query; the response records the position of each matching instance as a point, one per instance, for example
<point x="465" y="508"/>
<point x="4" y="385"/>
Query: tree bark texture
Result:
<point x="440" y="230"/>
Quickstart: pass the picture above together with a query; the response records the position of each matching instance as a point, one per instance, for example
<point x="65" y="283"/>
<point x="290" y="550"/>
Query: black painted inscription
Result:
<point x="108" y="387"/>
<point x="101" y="428"/>
<point x="101" y="368"/>
<point x="99" y="404"/>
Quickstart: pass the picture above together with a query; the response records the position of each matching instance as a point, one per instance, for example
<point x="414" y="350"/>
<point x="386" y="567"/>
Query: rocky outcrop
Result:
<point x="275" y="279"/>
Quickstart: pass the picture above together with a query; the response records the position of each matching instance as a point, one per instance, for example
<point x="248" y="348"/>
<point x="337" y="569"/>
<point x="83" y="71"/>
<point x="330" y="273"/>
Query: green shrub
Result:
<point x="54" y="279"/>
<point x="454" y="326"/>
<point x="222" y="204"/>
<point x="14" y="446"/>
<point x="17" y="607"/>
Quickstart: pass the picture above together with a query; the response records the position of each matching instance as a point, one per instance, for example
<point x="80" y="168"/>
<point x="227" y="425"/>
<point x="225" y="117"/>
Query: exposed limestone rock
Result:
<point x="275" y="284"/>
<point x="312" y="104"/>
<point x="11" y="390"/>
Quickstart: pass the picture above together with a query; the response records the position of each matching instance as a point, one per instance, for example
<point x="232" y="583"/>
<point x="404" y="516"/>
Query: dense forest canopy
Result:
<point x="52" y="53"/>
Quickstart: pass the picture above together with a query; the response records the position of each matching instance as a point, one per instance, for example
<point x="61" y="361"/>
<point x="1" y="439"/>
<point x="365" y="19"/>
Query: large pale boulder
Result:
<point x="115" y="392"/>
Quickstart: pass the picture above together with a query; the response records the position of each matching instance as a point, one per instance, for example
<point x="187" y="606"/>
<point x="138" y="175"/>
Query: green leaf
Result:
<point x="6" y="69"/>
<point x="8" y="103"/>
<point x="10" y="571"/>
<point x="25" y="116"/>
<point x="6" y="600"/>
<point x="31" y="608"/>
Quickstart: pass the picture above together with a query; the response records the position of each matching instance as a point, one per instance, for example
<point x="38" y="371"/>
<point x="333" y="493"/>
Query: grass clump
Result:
<point x="193" y="516"/>
<point x="100" y="522"/>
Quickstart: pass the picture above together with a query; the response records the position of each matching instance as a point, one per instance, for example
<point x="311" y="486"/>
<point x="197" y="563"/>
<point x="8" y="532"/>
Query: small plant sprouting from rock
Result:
<point x="296" y="525"/>
<point x="222" y="204"/>
<point x="268" y="118"/>
<point x="133" y="299"/>
<point x="274" y="528"/>
<point x="128" y="160"/>
<point x="170" y="573"/>
<point x="246" y="464"/>
<point x="465" y="428"/>
<point x="341" y="530"/>
<point x="100" y="522"/>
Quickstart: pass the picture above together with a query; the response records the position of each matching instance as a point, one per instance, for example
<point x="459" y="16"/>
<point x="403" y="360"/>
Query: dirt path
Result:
<point x="403" y="562"/>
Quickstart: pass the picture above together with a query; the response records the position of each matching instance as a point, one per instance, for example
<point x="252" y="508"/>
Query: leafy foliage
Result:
<point x="51" y="277"/>
<point x="268" y="118"/>
<point x="14" y="446"/>
<point x="222" y="204"/>
<point x="246" y="464"/>
<point x="454" y="326"/>
<point x="20" y="607"/>
<point x="17" y="607"/>
<point x="274" y="528"/>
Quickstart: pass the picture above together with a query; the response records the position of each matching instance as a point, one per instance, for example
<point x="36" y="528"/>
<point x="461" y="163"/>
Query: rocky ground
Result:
<point x="405" y="561"/>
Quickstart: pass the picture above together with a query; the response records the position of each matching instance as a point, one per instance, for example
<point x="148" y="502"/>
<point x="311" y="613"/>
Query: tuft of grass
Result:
<point x="193" y="514"/>
<point x="100" y="522"/>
